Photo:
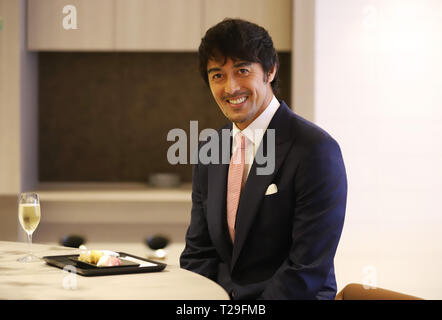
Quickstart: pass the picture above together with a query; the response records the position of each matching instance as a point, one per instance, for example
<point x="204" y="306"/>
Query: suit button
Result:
<point x="232" y="294"/>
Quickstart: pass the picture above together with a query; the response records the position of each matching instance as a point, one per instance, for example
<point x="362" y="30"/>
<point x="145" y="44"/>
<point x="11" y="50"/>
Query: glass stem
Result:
<point x="30" y="243"/>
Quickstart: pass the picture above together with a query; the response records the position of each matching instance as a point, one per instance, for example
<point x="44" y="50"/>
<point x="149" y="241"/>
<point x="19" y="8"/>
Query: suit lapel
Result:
<point x="216" y="205"/>
<point x="256" y="185"/>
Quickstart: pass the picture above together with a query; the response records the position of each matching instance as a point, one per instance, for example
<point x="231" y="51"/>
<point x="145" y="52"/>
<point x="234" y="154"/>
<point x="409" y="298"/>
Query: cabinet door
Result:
<point x="10" y="55"/>
<point x="94" y="18"/>
<point x="273" y="15"/>
<point x="159" y="25"/>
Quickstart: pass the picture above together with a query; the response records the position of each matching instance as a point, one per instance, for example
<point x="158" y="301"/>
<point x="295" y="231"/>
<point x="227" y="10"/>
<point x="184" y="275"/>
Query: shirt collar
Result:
<point x="255" y="131"/>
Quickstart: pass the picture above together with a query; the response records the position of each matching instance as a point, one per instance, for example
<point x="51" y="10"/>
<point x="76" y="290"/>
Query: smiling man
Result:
<point x="239" y="89"/>
<point x="271" y="236"/>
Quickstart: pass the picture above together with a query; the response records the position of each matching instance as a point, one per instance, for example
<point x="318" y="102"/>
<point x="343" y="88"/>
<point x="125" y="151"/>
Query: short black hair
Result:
<point x="242" y="40"/>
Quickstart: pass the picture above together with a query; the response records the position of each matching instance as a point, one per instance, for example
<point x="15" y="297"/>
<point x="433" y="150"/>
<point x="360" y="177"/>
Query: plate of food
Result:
<point x="103" y="259"/>
<point x="104" y="262"/>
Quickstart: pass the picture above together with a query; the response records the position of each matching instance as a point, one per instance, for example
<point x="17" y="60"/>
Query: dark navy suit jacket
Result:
<point x="285" y="242"/>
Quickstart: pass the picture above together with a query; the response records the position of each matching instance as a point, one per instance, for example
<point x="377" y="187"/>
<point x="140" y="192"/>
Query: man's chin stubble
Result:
<point x="236" y="120"/>
<point x="240" y="121"/>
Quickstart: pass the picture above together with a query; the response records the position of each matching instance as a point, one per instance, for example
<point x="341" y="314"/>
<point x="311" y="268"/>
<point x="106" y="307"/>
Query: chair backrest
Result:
<point x="356" y="291"/>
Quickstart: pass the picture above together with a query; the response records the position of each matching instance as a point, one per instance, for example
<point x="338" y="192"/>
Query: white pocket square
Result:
<point x="271" y="189"/>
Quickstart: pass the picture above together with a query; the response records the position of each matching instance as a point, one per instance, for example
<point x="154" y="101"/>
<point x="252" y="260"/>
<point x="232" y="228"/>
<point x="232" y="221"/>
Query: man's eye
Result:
<point x="216" y="76"/>
<point x="243" y="71"/>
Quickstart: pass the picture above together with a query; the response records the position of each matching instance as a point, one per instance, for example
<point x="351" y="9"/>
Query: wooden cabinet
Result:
<point x="94" y="21"/>
<point x="273" y="15"/>
<point x="147" y="25"/>
<point x="166" y="25"/>
<point x="158" y="25"/>
<point x="10" y="98"/>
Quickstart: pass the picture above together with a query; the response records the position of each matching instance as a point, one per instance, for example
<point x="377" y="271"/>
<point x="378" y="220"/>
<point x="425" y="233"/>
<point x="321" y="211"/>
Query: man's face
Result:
<point x="240" y="89"/>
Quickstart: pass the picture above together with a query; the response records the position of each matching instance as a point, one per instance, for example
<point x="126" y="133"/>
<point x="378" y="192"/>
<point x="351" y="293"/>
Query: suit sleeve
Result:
<point x="199" y="255"/>
<point x="320" y="192"/>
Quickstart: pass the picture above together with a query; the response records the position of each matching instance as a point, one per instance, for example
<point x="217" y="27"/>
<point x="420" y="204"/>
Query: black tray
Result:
<point x="84" y="270"/>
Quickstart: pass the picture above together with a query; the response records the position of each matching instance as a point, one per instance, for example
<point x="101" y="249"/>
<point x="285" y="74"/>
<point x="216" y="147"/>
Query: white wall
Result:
<point x="303" y="58"/>
<point x="28" y="109"/>
<point x="378" y="91"/>
<point x="18" y="116"/>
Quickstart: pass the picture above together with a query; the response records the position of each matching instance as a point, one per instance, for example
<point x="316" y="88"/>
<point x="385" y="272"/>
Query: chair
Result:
<point x="356" y="291"/>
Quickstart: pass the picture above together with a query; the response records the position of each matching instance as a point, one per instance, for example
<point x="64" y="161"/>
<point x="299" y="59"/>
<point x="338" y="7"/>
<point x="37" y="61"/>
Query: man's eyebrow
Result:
<point x="213" y="70"/>
<point x="236" y="65"/>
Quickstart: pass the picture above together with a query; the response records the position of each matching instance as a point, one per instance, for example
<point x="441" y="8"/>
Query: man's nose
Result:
<point x="231" y="85"/>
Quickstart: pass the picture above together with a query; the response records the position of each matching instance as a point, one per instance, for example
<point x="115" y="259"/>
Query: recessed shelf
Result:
<point x="112" y="192"/>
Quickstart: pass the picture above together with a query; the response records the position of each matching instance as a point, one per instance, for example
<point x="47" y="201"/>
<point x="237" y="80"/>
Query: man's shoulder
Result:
<point x="305" y="129"/>
<point x="308" y="135"/>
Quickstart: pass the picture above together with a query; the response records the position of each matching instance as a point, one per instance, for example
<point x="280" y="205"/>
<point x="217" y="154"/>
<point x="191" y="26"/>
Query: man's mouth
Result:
<point x="237" y="101"/>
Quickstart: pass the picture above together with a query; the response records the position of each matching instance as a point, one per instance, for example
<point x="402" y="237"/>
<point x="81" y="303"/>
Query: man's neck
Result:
<point x="242" y="125"/>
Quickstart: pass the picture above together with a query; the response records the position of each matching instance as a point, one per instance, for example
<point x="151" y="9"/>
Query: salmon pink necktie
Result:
<point x="234" y="182"/>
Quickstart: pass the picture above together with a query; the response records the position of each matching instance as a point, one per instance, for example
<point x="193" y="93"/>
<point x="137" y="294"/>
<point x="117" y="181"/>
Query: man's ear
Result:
<point x="271" y="74"/>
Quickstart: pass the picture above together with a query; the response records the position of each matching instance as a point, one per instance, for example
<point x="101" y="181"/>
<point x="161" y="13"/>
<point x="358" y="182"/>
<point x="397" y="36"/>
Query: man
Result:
<point x="268" y="236"/>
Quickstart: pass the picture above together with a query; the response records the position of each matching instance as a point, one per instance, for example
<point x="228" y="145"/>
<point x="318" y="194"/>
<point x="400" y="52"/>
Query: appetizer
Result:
<point x="101" y="258"/>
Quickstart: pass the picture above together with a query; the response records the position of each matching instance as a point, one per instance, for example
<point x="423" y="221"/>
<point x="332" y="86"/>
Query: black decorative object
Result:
<point x="157" y="242"/>
<point x="72" y="241"/>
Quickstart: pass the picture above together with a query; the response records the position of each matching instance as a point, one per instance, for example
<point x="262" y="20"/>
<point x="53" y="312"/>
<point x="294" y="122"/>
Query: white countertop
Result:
<point x="40" y="281"/>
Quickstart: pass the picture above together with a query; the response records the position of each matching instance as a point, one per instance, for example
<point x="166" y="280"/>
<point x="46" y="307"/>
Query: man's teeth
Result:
<point x="238" y="101"/>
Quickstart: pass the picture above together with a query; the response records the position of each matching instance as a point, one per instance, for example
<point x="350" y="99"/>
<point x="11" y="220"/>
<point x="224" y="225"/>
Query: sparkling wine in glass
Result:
<point x="29" y="217"/>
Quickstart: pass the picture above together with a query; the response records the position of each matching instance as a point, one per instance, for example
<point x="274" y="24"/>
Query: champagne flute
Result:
<point x="29" y="217"/>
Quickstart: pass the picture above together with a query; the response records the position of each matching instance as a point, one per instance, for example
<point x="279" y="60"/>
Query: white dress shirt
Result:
<point x="254" y="133"/>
